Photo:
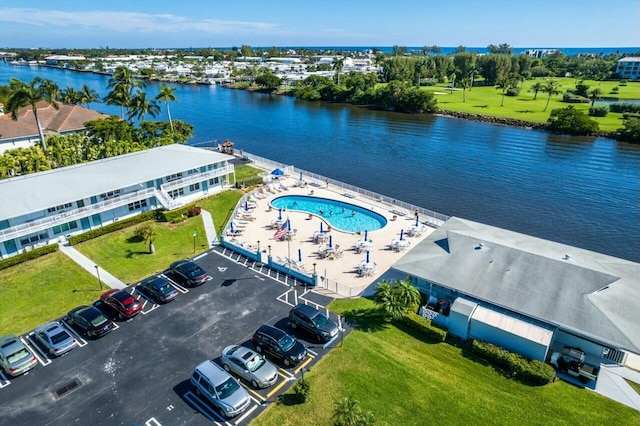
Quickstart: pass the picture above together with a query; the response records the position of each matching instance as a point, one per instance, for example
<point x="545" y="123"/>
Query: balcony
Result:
<point x="198" y="177"/>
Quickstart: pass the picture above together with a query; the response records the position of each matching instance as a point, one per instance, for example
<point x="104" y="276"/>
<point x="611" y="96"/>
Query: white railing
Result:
<point x="59" y="219"/>
<point x="198" y="177"/>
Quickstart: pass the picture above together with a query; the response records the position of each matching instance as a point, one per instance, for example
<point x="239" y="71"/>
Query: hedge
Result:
<point x="245" y="183"/>
<point x="423" y="326"/>
<point x="599" y="111"/>
<point x="624" y="107"/>
<point x="532" y="372"/>
<point x="94" y="233"/>
<point x="23" y="257"/>
<point x="177" y="214"/>
<point x="574" y="99"/>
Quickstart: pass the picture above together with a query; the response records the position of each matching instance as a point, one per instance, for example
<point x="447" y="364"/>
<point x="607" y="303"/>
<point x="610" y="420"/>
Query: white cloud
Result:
<point x="129" y="22"/>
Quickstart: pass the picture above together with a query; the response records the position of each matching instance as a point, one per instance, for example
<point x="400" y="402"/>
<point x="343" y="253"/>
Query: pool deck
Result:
<point x="341" y="273"/>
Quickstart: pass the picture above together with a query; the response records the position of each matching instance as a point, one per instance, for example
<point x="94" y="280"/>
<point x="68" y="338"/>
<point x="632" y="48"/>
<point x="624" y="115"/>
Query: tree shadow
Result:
<point x="228" y="282"/>
<point x="131" y="253"/>
<point x="369" y="320"/>
<point x="134" y="239"/>
<point x="290" y="399"/>
<point x="481" y="106"/>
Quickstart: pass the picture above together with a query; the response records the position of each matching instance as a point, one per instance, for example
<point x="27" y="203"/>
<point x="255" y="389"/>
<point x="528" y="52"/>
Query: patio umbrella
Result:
<point x="321" y="231"/>
<point x="417" y="220"/>
<point x="330" y="241"/>
<point x="289" y="229"/>
<point x="280" y="213"/>
<point x="301" y="176"/>
<point x="231" y="223"/>
<point x="367" y="257"/>
<point x="246" y="206"/>
<point x="401" y="234"/>
<point x="299" y="255"/>
<point x="277" y="172"/>
<point x="365" y="234"/>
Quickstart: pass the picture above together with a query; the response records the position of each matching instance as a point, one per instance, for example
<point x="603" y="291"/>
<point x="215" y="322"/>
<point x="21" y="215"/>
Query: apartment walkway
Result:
<point x="91" y="266"/>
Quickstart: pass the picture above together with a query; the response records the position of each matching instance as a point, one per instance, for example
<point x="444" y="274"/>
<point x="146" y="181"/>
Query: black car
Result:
<point x="90" y="320"/>
<point x="279" y="344"/>
<point x="192" y="274"/>
<point x="313" y="321"/>
<point x="158" y="288"/>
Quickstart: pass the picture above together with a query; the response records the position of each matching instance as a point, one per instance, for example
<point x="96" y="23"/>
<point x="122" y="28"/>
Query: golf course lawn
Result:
<point x="486" y="100"/>
<point x="404" y="380"/>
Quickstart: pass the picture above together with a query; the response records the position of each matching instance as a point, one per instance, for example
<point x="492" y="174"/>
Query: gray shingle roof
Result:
<point x="589" y="292"/>
<point x="39" y="191"/>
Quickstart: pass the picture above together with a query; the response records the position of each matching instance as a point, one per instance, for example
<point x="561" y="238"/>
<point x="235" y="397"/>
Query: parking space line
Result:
<point x="35" y="353"/>
<point x="259" y="277"/>
<point x="312" y="352"/>
<point x="34" y="344"/>
<point x="176" y="285"/>
<point x="245" y="415"/>
<point x="80" y="340"/>
<point x="277" y="387"/>
<point x="152" y="421"/>
<point x="200" y="256"/>
<point x="303" y="364"/>
<point x="116" y="325"/>
<point x="253" y="392"/>
<point x="4" y="382"/>
<point x="280" y="370"/>
<point x="330" y="341"/>
<point x="204" y="409"/>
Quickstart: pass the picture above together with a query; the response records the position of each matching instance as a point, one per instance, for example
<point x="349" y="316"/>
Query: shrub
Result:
<point x="630" y="130"/>
<point x="428" y="82"/>
<point x="423" y="327"/>
<point x="513" y="91"/>
<point x="194" y="211"/>
<point x="574" y="99"/>
<point x="301" y="390"/>
<point x="528" y="371"/>
<point x="615" y="90"/>
<point x="244" y="183"/>
<point x="177" y="215"/>
<point x="623" y="82"/>
<point x="28" y="255"/>
<point x="572" y="121"/>
<point x="627" y="115"/>
<point x="599" y="111"/>
<point x="624" y="107"/>
<point x="121" y="224"/>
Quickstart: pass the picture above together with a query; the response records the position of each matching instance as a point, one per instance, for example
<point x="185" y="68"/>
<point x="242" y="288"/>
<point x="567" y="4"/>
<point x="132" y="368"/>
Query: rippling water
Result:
<point x="579" y="191"/>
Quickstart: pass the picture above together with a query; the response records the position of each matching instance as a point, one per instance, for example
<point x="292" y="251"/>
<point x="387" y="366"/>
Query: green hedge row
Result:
<point x="23" y="257"/>
<point x="94" y="233"/>
<point x="530" y="372"/>
<point x="599" y="111"/>
<point x="177" y="214"/>
<point x="423" y="326"/>
<point x="245" y="183"/>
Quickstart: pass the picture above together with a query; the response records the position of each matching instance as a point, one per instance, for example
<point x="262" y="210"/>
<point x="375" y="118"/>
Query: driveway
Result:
<point x="138" y="374"/>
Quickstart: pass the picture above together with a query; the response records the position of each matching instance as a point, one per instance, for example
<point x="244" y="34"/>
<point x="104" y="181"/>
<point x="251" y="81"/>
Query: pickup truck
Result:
<point x="571" y="361"/>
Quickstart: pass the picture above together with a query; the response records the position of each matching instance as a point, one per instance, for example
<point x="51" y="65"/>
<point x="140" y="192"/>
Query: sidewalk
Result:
<point x="91" y="267"/>
<point x="611" y="383"/>
<point x="209" y="227"/>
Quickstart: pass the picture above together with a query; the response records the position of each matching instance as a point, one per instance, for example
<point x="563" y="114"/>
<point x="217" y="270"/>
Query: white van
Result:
<point x="216" y="386"/>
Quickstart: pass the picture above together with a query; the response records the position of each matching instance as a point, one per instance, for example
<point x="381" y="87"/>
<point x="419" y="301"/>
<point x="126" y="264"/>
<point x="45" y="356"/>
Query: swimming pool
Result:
<point x="342" y="216"/>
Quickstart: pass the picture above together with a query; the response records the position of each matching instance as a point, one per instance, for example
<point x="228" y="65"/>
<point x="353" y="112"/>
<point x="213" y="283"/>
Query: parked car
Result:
<point x="192" y="274"/>
<point x="55" y="338"/>
<point x="313" y="321"/>
<point x="159" y="289"/>
<point x="249" y="365"/>
<point x="278" y="344"/>
<point x="15" y="358"/>
<point x="90" y="320"/>
<point x="220" y="389"/>
<point x="122" y="303"/>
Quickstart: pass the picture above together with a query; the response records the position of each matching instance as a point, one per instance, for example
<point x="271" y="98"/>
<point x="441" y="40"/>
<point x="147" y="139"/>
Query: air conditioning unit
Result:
<point x="605" y="352"/>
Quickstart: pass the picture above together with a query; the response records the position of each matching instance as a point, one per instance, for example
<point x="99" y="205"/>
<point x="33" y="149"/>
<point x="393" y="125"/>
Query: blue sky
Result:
<point x="214" y="23"/>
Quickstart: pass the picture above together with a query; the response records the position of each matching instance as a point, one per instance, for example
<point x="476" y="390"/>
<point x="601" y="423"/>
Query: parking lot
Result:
<point x="139" y="373"/>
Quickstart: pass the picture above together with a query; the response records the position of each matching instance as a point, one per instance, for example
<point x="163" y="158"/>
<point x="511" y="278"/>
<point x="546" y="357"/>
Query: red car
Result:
<point x="123" y="303"/>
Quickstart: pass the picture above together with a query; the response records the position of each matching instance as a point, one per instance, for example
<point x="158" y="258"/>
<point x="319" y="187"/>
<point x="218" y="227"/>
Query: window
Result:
<point x="214" y="181"/>
<point x="58" y="208"/>
<point x="176" y="193"/>
<point x="173" y="177"/>
<point x="34" y="238"/>
<point x="80" y="203"/>
<point x="65" y="227"/>
<point x="194" y="187"/>
<point x="110" y="194"/>
<point x="192" y="171"/>
<point x="137" y="205"/>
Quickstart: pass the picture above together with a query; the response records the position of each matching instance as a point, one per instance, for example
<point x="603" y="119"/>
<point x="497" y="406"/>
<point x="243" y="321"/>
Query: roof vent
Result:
<point x="479" y="246"/>
<point x="567" y="257"/>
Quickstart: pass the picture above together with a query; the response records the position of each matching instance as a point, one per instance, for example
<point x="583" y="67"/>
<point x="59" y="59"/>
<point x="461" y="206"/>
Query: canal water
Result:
<point x="581" y="191"/>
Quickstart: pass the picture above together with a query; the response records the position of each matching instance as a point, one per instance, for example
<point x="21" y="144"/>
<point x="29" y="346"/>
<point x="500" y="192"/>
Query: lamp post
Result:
<point x="258" y="246"/>
<point x="269" y="247"/>
<point x="98" y="274"/>
<point x="194" y="241"/>
<point x="314" y="268"/>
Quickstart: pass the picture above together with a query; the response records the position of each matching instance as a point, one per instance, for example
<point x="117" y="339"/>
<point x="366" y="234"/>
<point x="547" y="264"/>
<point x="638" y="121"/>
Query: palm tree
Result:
<point x="550" y="87"/>
<point x="346" y="412"/>
<point x="71" y="96"/>
<point x="594" y="94"/>
<point x="24" y="94"/>
<point x="473" y="71"/>
<point x="504" y="83"/>
<point x="536" y="87"/>
<point x="141" y="106"/>
<point x="119" y="97"/>
<point x="406" y="294"/>
<point x="122" y="84"/>
<point x="88" y="95"/>
<point x="338" y="64"/>
<point x="464" y="83"/>
<point x="166" y="95"/>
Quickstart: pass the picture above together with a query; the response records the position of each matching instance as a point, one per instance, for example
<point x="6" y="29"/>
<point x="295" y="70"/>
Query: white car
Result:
<point x="249" y="365"/>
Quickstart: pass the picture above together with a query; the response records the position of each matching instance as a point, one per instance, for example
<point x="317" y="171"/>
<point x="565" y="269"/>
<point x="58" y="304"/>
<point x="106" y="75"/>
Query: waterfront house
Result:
<point x="23" y="132"/>
<point x="629" y="68"/>
<point x="47" y="207"/>
<point x="527" y="294"/>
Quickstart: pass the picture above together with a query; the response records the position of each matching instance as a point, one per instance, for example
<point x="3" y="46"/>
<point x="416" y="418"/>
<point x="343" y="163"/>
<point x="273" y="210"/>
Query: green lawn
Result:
<point x="128" y="259"/>
<point x="42" y="289"/>
<point x="486" y="100"/>
<point x="245" y="171"/>
<point x="403" y="380"/>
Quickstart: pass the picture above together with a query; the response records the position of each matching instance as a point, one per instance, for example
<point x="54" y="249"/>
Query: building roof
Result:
<point x="630" y="59"/>
<point x="66" y="118"/>
<point x="515" y="326"/>
<point x="579" y="290"/>
<point x="38" y="191"/>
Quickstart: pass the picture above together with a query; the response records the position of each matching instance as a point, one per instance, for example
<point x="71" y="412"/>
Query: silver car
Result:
<point x="56" y="339"/>
<point x="249" y="365"/>
<point x="15" y="358"/>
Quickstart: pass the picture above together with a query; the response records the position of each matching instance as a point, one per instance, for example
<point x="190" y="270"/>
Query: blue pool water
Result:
<point x="341" y="216"/>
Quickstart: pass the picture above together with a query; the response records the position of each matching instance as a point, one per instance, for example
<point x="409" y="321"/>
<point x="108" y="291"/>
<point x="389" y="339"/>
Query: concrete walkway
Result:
<point x="611" y="383"/>
<point x="91" y="267"/>
<point x="209" y="227"/>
